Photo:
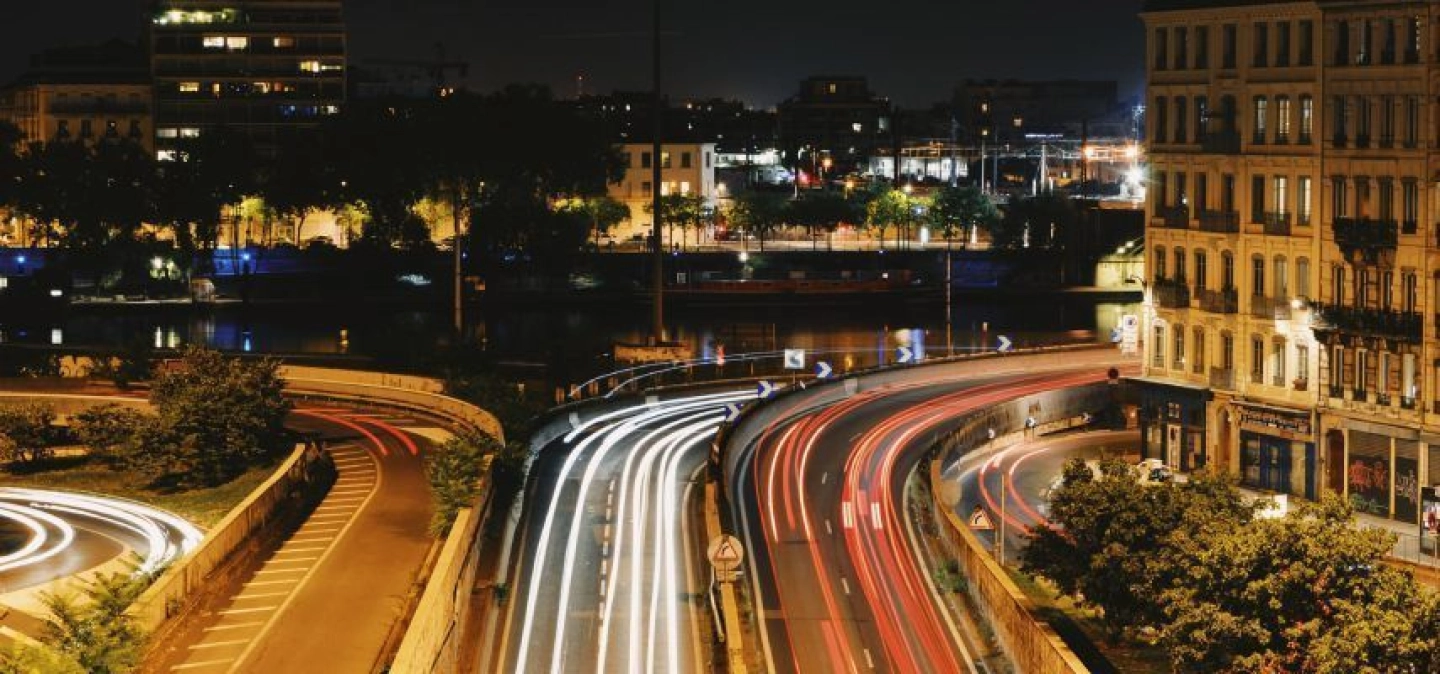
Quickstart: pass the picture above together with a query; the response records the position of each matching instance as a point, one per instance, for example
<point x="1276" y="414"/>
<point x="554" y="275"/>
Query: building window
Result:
<point x="1277" y="363"/>
<point x="283" y="42"/>
<point x="1202" y="117"/>
<point x="1386" y="188"/>
<point x="1202" y="191"/>
<point x="1307" y="118"/>
<point x="1387" y="289"/>
<point x="685" y="160"/>
<point x="1157" y="355"/>
<point x="1362" y="121"/>
<point x="1182" y="197"/>
<point x="1282" y="194"/>
<point x="213" y="42"/>
<point x="1341" y="108"/>
<point x="1337" y="285"/>
<point x="1302" y="277"/>
<point x="1361" y="292"/>
<point x="1307" y="43"/>
<point x="1257" y="275"/>
<point x="1282" y="43"/>
<point x="1178" y="357"/>
<point x="645" y="162"/>
<point x="1282" y="278"/>
<point x="1202" y="47"/>
<point x="1282" y="119"/>
<point x="1160" y="263"/>
<point x="1363" y="56"/>
<point x="1409" y="387"/>
<point x="1362" y="363"/>
<point x="237" y="43"/>
<point x="665" y="160"/>
<point x="1181" y="124"/>
<point x="1228" y="46"/>
<point x="1412" y="121"/>
<point x="1182" y="49"/>
<point x="1387" y="54"/>
<point x="1303" y="200"/>
<point x="1257" y="360"/>
<point x="1162" y="48"/>
<point x="1339" y="197"/>
<point x="1261" y="110"/>
<point x="1180" y="265"/>
<point x="1342" y="43"/>
<point x="1387" y="121"/>
<point x="1411" y="292"/>
<point x="1201" y="270"/>
<point x="1337" y="371"/>
<point x="707" y="160"/>
<point x="1257" y="198"/>
<point x="1198" y="360"/>
<point x="685" y="187"/>
<point x="1162" y="119"/>
<point x="1227" y="351"/>
<point x="309" y="67"/>
<point x="1262" y="44"/>
<point x="1227" y="271"/>
<point x="1302" y="366"/>
<point x="167" y="132"/>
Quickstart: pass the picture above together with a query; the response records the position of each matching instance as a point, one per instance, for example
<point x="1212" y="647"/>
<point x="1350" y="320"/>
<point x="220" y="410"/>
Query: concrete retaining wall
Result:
<point x="307" y="472"/>
<point x="432" y="640"/>
<point x="418" y="394"/>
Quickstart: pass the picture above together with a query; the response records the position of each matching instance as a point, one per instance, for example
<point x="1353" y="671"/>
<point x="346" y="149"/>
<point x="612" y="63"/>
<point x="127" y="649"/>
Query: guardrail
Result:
<point x="417" y="394"/>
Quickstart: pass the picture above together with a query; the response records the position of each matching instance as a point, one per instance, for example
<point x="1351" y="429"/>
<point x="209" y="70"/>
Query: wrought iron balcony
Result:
<point x="1336" y="391"/>
<point x="1366" y="240"/>
<point x="1277" y="224"/>
<point x="1174" y="217"/>
<point x="1222" y="378"/>
<point x="1222" y="222"/>
<point x="1399" y="326"/>
<point x="1221" y="142"/>
<point x="1275" y="309"/>
<point x="1172" y="294"/>
<point x="1223" y="301"/>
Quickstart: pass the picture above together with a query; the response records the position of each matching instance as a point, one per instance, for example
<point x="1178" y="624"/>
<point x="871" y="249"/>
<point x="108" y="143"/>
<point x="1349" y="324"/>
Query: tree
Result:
<point x="1305" y="593"/>
<point x="454" y="470"/>
<point x="107" y="431"/>
<point x="93" y="630"/>
<point x="1109" y="540"/>
<point x="758" y="212"/>
<point x="21" y="658"/>
<point x="893" y="207"/>
<point x="685" y="210"/>
<point x="1037" y="222"/>
<point x="603" y="212"/>
<point x="823" y="211"/>
<point x="27" y="433"/>
<point x="227" y="413"/>
<point x="956" y="209"/>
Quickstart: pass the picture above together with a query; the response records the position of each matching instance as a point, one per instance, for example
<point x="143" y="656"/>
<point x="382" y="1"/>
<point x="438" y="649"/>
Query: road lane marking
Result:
<point x="869" y="660"/>
<point x="280" y="570"/>
<point x="825" y="477"/>
<point x="875" y="516"/>
<point x="243" y="597"/>
<point x="219" y="644"/>
<point x="257" y="609"/>
<point x="233" y="626"/>
<point x="828" y="529"/>
<point x="270" y="582"/>
<point x="847" y="515"/>
<point x="298" y="560"/>
<point x="291" y="551"/>
<point x="845" y="584"/>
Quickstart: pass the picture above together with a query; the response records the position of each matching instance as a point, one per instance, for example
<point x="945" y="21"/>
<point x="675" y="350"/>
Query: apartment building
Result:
<point x="685" y="168"/>
<point x="266" y="68"/>
<point x="1292" y="245"/>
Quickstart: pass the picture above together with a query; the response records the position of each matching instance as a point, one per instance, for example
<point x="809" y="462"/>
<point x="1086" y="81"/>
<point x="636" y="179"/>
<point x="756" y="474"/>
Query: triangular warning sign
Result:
<point x="727" y="552"/>
<point x="979" y="519"/>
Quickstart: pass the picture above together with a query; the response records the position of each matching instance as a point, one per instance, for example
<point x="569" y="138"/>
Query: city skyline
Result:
<point x="554" y="41"/>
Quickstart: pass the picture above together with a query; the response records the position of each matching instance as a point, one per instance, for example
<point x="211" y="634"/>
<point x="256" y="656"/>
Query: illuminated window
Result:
<point x="260" y="87"/>
<point x="237" y="43"/>
<point x="167" y="132"/>
<point x="331" y="67"/>
<point x="857" y="127"/>
<point x="309" y="66"/>
<point x="833" y="87"/>
<point x="685" y="187"/>
<point x="189" y="132"/>
<point x="189" y="87"/>
<point x="283" y="42"/>
<point x="165" y="155"/>
<point x="214" y="42"/>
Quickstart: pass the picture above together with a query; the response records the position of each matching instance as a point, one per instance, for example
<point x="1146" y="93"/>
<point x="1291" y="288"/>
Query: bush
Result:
<point x="106" y="430"/>
<point x="27" y="434"/>
<point x="135" y="363"/>
<point x="454" y="470"/>
<point x="94" y="631"/>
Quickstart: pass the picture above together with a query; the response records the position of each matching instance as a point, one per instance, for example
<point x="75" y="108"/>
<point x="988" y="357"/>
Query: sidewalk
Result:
<point x="1407" y="546"/>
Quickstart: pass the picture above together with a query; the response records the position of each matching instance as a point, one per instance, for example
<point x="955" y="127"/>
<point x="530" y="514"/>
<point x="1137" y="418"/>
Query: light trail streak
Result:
<point x="165" y="536"/>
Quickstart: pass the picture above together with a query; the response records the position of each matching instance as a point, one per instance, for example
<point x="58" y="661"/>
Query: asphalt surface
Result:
<point x="612" y="573"/>
<point x="823" y="514"/>
<point x="329" y="598"/>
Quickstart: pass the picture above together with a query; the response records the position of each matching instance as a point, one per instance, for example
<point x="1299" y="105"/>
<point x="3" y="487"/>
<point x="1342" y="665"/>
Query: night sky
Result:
<point x="753" y="50"/>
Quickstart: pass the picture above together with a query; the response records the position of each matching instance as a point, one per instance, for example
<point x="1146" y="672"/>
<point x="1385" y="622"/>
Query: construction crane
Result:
<point x="436" y="69"/>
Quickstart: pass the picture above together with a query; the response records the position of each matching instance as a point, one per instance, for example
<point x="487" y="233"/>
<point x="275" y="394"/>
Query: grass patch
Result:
<point x="1081" y="629"/>
<point x="203" y="507"/>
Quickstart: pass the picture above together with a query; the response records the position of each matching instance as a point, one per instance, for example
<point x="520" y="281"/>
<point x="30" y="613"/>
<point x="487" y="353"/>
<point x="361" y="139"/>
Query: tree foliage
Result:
<point x="892" y="208"/>
<point x="1041" y="222"/>
<point x="107" y="430"/>
<point x="93" y="630"/>
<point x="217" y="416"/>
<point x="454" y="470"/>
<point x="759" y="213"/>
<point x="27" y="433"/>
<point x="953" y="210"/>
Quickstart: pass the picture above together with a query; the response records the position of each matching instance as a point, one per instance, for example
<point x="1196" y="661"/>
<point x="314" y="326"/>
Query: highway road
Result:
<point x="823" y="512"/>
<point x="330" y="596"/>
<point x="1028" y="470"/>
<point x="612" y="576"/>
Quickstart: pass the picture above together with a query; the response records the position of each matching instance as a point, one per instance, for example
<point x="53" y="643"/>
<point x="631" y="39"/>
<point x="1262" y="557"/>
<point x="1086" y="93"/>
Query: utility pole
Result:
<point x="456" y="208"/>
<point x="954" y="149"/>
<point x="658" y="328"/>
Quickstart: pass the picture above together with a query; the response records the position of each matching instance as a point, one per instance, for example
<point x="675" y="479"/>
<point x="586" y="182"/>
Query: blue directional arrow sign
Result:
<point x="904" y="355"/>
<point x="732" y="412"/>
<point x="764" y="390"/>
<point x="822" y="370"/>
<point x="1005" y="345"/>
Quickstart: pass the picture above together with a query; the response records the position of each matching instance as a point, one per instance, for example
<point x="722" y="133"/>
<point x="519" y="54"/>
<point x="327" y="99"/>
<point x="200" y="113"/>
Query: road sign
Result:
<point x="794" y="359"/>
<point x="980" y="520"/>
<point x="725" y="553"/>
<point x="904" y="355"/>
<point x="823" y="370"/>
<point x="764" y="390"/>
<point x="732" y="412"/>
<point x="1005" y="345"/>
<point x="1129" y="334"/>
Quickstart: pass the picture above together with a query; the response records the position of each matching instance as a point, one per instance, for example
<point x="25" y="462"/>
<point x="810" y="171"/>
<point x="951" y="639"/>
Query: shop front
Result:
<point x="1277" y="449"/>
<point x="1172" y="423"/>
<point x="1383" y="472"/>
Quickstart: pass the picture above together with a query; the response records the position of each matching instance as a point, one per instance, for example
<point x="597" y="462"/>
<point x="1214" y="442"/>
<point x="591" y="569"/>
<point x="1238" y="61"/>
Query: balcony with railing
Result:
<point x="1277" y="224"/>
<point x="1223" y="301"/>
<point x="1221" y="142"/>
<point x="1173" y="217"/>
<point x="1222" y="378"/>
<point x="1220" y="222"/>
<point x="1399" y="326"/>
<point x="1365" y="238"/>
<point x="1172" y="294"/>
<point x="1269" y="308"/>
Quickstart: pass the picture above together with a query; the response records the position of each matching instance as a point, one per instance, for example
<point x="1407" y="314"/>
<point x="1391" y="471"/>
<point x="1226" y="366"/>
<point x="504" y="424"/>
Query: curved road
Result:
<point x="822" y="507"/>
<point x="609" y="578"/>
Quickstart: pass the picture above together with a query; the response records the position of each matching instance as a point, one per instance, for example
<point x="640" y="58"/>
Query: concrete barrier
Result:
<point x="308" y="472"/>
<point x="416" y="394"/>
<point x="432" y="639"/>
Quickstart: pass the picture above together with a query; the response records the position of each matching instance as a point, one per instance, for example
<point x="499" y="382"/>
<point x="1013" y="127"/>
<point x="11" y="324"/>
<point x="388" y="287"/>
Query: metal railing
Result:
<point x="1223" y="301"/>
<point x="1223" y="222"/>
<point x="1221" y="142"/>
<point x="1222" y="378"/>
<point x="1174" y="217"/>
<point x="1172" y="294"/>
<point x="1275" y="309"/>
<point x="1277" y="224"/>
<point x="1402" y="326"/>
